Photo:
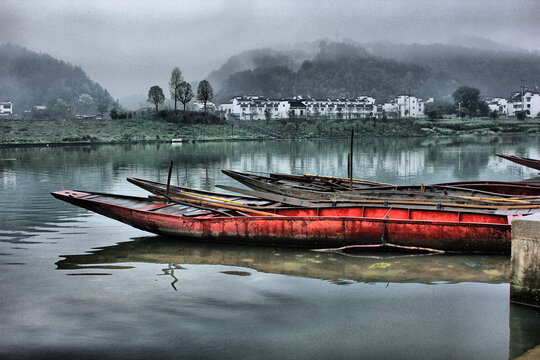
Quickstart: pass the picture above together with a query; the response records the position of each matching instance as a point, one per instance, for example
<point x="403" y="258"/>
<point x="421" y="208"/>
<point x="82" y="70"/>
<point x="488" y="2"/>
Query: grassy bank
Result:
<point x="166" y="126"/>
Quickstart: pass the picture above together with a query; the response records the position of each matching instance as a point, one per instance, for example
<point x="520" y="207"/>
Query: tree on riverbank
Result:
<point x="469" y="98"/>
<point x="156" y="96"/>
<point x="184" y="93"/>
<point x="205" y="92"/>
<point x="174" y="83"/>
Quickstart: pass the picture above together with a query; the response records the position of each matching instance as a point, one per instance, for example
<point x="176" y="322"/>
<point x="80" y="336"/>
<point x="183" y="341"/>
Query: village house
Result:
<point x="501" y="106"/>
<point x="6" y="108"/>
<point x="409" y="106"/>
<point x="527" y="101"/>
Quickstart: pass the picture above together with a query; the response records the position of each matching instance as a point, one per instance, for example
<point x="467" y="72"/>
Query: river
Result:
<point x="77" y="285"/>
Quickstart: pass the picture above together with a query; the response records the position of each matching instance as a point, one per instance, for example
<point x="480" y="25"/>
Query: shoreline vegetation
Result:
<point x="166" y="125"/>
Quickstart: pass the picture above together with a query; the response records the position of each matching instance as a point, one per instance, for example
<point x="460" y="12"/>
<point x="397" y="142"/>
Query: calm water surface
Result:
<point x="77" y="285"/>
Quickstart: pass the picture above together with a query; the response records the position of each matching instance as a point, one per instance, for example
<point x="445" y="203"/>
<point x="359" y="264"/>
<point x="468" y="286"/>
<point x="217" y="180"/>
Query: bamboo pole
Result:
<point x="215" y="204"/>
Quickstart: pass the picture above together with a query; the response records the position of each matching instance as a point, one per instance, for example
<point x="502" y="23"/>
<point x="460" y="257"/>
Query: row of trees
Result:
<point x="181" y="91"/>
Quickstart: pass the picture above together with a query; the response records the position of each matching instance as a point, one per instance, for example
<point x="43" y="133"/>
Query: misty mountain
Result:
<point x="382" y="70"/>
<point x="338" y="70"/>
<point x="494" y="72"/>
<point x="30" y="79"/>
<point x="258" y="59"/>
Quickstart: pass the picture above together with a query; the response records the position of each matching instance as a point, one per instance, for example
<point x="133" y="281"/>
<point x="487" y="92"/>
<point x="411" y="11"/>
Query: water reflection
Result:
<point x="178" y="257"/>
<point x="333" y="267"/>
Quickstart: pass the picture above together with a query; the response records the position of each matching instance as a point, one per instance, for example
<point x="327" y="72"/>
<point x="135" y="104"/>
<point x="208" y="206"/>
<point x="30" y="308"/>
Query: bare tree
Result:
<point x="184" y="93"/>
<point x="174" y="83"/>
<point x="155" y="96"/>
<point x="205" y="92"/>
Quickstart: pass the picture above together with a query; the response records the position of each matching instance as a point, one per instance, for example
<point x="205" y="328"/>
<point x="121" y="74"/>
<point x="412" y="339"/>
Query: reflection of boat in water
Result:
<point x="287" y="261"/>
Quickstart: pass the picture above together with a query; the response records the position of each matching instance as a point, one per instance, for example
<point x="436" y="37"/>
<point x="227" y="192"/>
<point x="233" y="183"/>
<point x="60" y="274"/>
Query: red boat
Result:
<point x="331" y="227"/>
<point x="532" y="163"/>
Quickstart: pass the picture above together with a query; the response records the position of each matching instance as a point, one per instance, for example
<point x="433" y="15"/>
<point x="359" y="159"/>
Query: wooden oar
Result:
<point x="181" y="202"/>
<point x="211" y="204"/>
<point x="209" y="197"/>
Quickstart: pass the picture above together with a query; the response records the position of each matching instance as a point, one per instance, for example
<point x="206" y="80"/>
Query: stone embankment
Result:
<point x="525" y="281"/>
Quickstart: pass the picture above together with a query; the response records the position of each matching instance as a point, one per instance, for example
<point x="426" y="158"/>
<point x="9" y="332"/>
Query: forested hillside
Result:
<point x="495" y="73"/>
<point x="30" y="79"/>
<point x="379" y="70"/>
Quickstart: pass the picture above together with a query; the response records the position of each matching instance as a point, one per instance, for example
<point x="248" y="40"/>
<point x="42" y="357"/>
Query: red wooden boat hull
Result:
<point x="319" y="228"/>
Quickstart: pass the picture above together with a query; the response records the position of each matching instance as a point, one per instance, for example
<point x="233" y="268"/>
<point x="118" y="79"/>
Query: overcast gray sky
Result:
<point x="129" y="45"/>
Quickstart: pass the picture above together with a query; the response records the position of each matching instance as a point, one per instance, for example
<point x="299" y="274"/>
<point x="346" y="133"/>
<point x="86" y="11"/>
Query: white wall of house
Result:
<point x="6" y="108"/>
<point x="527" y="101"/>
<point x="389" y="108"/>
<point x="500" y="105"/>
<point x="407" y="106"/>
<point x="531" y="102"/>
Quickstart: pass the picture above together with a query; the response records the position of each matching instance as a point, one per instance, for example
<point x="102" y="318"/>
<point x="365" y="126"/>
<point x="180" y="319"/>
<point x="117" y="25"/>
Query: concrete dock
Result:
<point x="525" y="280"/>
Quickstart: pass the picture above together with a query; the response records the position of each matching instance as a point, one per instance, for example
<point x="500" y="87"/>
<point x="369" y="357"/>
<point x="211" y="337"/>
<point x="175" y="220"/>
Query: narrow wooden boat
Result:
<point x="497" y="187"/>
<point x="532" y="163"/>
<point x="295" y="186"/>
<point x="307" y="227"/>
<point x="503" y="188"/>
<point x="442" y="193"/>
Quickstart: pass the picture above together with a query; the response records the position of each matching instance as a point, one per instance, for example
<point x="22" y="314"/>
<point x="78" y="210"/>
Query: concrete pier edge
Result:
<point x="525" y="279"/>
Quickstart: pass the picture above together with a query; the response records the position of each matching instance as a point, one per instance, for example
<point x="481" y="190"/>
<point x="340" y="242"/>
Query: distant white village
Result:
<point x="259" y="107"/>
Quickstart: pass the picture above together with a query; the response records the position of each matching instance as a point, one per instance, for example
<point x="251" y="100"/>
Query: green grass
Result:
<point x="195" y="126"/>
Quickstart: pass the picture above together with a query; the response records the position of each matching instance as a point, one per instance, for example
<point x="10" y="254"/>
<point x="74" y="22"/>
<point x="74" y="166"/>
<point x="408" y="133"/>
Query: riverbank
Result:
<point x="153" y="128"/>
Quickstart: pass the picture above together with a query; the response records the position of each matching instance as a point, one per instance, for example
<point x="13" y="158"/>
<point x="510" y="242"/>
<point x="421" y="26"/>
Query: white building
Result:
<point x="422" y="106"/>
<point x="407" y="106"/>
<point x="531" y="103"/>
<point x="6" y="108"/>
<point x="527" y="101"/>
<point x="501" y="106"/>
<point x="256" y="108"/>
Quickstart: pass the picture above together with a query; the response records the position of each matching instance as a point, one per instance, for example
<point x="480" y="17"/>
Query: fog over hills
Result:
<point x="382" y="69"/>
<point x="31" y="79"/>
<point x="322" y="69"/>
